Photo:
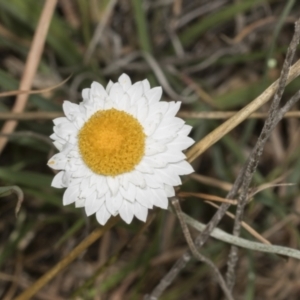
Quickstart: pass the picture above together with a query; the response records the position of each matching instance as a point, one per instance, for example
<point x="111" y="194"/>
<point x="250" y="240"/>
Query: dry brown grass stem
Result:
<point x="14" y="38"/>
<point x="239" y="117"/>
<point x="50" y="115"/>
<point x="195" y="251"/>
<point x="207" y="197"/>
<point x="19" y="92"/>
<point x="223" y="115"/>
<point x="99" y="30"/>
<point x="244" y="225"/>
<point x="27" y="116"/>
<point x="113" y="258"/>
<point x="89" y="240"/>
<point x="223" y="185"/>
<point x="256" y="25"/>
<point x="31" y="66"/>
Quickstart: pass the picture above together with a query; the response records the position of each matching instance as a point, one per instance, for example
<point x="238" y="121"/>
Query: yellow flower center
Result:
<point x="111" y="142"/>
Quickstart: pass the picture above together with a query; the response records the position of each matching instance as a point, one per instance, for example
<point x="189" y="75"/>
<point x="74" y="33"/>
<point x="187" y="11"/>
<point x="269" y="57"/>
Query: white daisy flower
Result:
<point x="120" y="150"/>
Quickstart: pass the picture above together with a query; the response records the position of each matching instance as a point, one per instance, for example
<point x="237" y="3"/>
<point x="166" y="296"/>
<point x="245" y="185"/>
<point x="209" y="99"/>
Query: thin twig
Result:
<point x="28" y="116"/>
<point x="194" y="250"/>
<point x="223" y="115"/>
<point x="203" y="145"/>
<point x="99" y="30"/>
<point x="247" y="227"/>
<point x="32" y="63"/>
<point x="30" y="134"/>
<point x="89" y="240"/>
<point x="32" y="92"/>
<point x="210" y="115"/>
<point x="243" y="243"/>
<point x="254" y="157"/>
<point x="7" y="190"/>
<point x="164" y="82"/>
<point x="226" y="186"/>
<point x="112" y="259"/>
<point x="207" y="197"/>
<point x="214" y="136"/>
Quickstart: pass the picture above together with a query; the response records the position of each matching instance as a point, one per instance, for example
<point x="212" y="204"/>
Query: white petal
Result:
<point x="133" y="111"/>
<point x="165" y="176"/>
<point x="60" y="120"/>
<point x="135" y="92"/>
<point x="57" y="180"/>
<point x="126" y="211"/>
<point x="93" y="180"/>
<point x="125" y="81"/>
<point x="93" y="204"/>
<point x="54" y="136"/>
<point x="181" y="168"/>
<point x="113" y="184"/>
<point x="146" y="85"/>
<point x="173" y="109"/>
<point x="78" y="122"/>
<point x="85" y="189"/>
<point x="144" y="167"/>
<point x="84" y="184"/>
<point x="158" y="107"/>
<point x="152" y="123"/>
<point x="154" y="94"/>
<point x="116" y="93"/>
<point x="103" y="215"/>
<point x="63" y="130"/>
<point x="137" y="178"/>
<point x="57" y="162"/>
<point x="109" y="85"/>
<point x="140" y="211"/>
<point x="114" y="203"/>
<point x="74" y="181"/>
<point x="108" y="105"/>
<point x="153" y="180"/>
<point x="130" y="193"/>
<point x="124" y="180"/>
<point x="58" y="145"/>
<point x="82" y="171"/>
<point x="74" y="153"/>
<point x="71" y="195"/>
<point x="124" y="103"/>
<point x="98" y="92"/>
<point x="159" y="198"/>
<point x="101" y="186"/>
<point x="144" y="197"/>
<point x="171" y="155"/>
<point x="185" y="130"/>
<point x="152" y="147"/>
<point x="167" y="135"/>
<point x="181" y="143"/>
<point x="164" y="137"/>
<point x="169" y="190"/>
<point x="89" y="203"/>
<point x="71" y="110"/>
<point x="142" y="112"/>
<point x="168" y="124"/>
<point x="98" y="104"/>
<point x="142" y="101"/>
<point x="66" y="179"/>
<point x="90" y="110"/>
<point x="156" y="161"/>
<point x="80" y="202"/>
<point x="85" y="94"/>
<point x="67" y="148"/>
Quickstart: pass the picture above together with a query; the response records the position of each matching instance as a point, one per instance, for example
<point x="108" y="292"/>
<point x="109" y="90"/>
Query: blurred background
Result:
<point x="215" y="55"/>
